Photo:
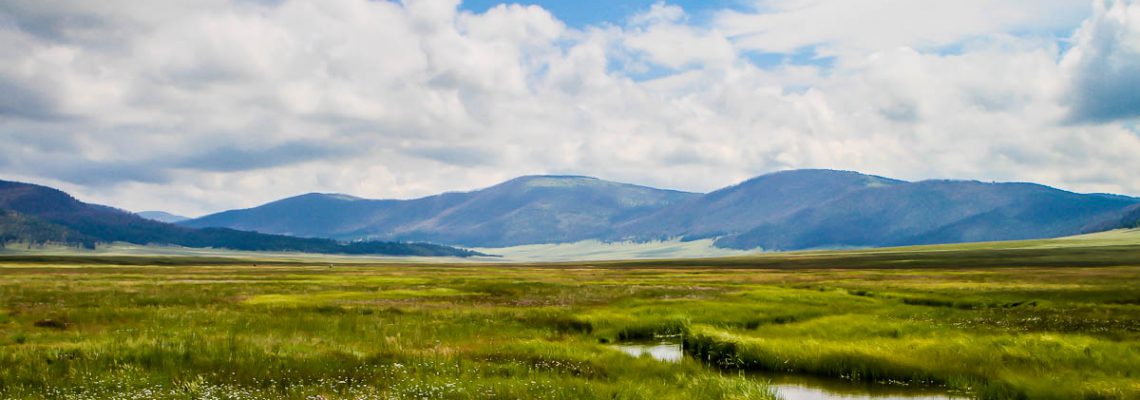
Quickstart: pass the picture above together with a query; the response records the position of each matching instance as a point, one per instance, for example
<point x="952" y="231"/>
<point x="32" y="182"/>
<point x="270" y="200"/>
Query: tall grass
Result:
<point x="234" y="331"/>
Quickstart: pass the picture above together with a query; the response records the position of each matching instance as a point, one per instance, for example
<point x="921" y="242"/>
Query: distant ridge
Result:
<point x="933" y="212"/>
<point x="787" y="210"/>
<point x="760" y="200"/>
<point x="525" y="210"/>
<point x="162" y="216"/>
<point x="40" y="215"/>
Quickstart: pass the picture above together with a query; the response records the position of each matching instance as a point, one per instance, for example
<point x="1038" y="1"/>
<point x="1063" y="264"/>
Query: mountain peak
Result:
<point x="553" y="181"/>
<point x="763" y="199"/>
<point x="788" y="209"/>
<point x="831" y="174"/>
<point x="555" y="177"/>
<point x="528" y="209"/>
<point x="308" y="198"/>
<point x="32" y="198"/>
<point x="336" y="196"/>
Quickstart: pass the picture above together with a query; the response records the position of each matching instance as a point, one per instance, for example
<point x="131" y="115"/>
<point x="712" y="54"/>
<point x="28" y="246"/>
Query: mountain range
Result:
<point x="36" y="214"/>
<point x="788" y="210"/>
<point x="526" y="210"/>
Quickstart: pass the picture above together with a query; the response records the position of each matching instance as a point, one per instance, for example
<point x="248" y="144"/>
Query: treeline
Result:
<point x="1131" y="219"/>
<point x="1127" y="219"/>
<point x="250" y="241"/>
<point x="40" y="215"/>
<point x="19" y="228"/>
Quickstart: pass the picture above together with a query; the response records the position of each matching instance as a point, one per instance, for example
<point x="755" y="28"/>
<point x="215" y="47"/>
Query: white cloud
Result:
<point x="854" y="26"/>
<point x="1104" y="65"/>
<point x="666" y="40"/>
<point x="200" y="106"/>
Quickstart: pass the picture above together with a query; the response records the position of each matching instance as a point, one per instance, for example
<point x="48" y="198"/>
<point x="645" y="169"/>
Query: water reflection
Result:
<point x="662" y="351"/>
<point x="799" y="387"/>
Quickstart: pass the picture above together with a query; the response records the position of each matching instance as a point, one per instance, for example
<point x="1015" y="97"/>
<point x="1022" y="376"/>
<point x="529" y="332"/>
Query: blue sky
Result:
<point x="586" y="13"/>
<point x="583" y="13"/>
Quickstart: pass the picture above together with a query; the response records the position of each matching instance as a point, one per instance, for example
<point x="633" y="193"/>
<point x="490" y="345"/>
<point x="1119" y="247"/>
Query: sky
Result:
<point x="200" y="106"/>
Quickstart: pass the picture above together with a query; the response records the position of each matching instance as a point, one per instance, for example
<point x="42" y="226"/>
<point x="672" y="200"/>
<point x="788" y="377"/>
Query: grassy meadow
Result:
<point x="1041" y="319"/>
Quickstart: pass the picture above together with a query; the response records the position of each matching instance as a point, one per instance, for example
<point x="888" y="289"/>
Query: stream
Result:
<point x="798" y="386"/>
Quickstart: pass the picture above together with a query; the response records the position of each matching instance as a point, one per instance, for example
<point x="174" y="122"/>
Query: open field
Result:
<point x="1042" y="319"/>
<point x="590" y="250"/>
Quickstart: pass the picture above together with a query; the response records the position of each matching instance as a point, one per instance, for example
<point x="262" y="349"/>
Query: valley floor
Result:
<point x="1043" y="319"/>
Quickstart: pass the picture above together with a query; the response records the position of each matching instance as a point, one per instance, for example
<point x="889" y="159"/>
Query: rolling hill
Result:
<point x="764" y="199"/>
<point x="38" y="214"/>
<point x="526" y="210"/>
<point x="932" y="212"/>
<point x="786" y="210"/>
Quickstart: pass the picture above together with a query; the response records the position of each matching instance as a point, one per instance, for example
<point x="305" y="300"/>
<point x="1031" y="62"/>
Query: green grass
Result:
<point x="1040" y="319"/>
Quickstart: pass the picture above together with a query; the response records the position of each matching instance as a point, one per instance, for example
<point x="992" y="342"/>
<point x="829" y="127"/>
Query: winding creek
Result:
<point x="799" y="387"/>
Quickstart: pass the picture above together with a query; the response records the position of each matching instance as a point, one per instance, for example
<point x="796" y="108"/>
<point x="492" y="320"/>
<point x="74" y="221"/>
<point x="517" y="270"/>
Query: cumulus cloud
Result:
<point x="1104" y="64"/>
<point x="198" y="106"/>
<point x="662" y="36"/>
